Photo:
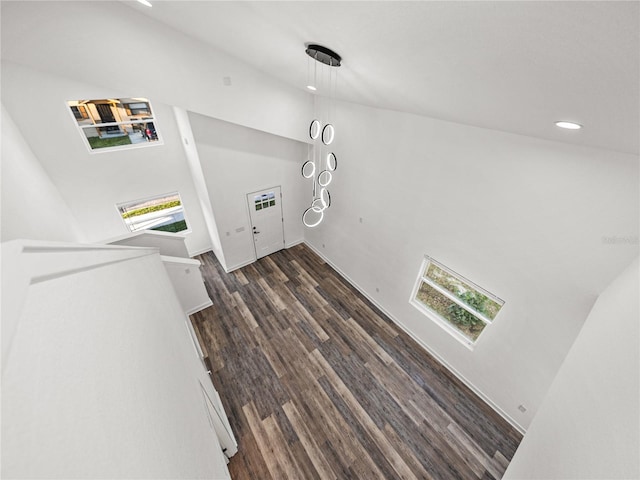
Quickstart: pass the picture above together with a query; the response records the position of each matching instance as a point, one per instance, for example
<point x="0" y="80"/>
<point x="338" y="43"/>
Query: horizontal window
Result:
<point x="162" y="212"/>
<point x="140" y="108"/>
<point x="460" y="306"/>
<point x="109" y="124"/>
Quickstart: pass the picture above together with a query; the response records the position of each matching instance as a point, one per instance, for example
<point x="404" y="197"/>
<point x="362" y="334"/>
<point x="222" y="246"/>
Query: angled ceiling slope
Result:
<point x="511" y="66"/>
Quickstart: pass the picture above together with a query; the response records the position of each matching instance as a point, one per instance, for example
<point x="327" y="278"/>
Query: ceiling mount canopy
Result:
<point x="324" y="55"/>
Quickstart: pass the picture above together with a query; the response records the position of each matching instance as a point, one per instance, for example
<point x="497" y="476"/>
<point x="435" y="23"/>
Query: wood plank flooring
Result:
<point x="319" y="384"/>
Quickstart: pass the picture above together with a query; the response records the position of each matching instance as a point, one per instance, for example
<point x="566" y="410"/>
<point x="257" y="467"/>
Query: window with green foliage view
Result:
<point x="458" y="305"/>
<point x="162" y="212"/>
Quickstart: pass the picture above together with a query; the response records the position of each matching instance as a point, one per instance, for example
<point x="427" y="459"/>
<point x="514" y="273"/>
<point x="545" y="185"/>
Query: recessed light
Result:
<point x="569" y="125"/>
<point x="145" y="3"/>
<point x="312" y="88"/>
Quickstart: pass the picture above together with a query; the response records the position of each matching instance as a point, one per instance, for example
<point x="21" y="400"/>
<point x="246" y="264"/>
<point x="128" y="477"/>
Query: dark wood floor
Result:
<point x="319" y="384"/>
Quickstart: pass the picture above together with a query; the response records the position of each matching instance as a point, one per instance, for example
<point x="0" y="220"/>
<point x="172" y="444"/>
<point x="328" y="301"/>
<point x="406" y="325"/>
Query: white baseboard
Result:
<point x="249" y="262"/>
<point x="435" y="355"/>
<point x="200" y="252"/>
<point x="202" y="306"/>
<point x="239" y="265"/>
<point x="294" y="243"/>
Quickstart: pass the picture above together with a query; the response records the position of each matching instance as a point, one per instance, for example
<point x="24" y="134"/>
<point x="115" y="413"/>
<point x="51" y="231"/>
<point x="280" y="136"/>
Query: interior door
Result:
<point x="265" y="209"/>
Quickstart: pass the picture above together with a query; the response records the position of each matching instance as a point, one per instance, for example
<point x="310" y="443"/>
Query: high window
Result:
<point x="110" y="124"/>
<point x="162" y="212"/>
<point x="458" y="305"/>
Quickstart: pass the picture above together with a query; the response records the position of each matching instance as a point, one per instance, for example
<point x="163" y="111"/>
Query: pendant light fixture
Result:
<point x="321" y="161"/>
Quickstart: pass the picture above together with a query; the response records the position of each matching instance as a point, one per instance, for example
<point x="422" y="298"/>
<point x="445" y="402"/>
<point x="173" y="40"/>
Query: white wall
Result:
<point x="32" y="207"/>
<point x="56" y="51"/>
<point x="238" y="160"/>
<point x="199" y="182"/>
<point x="93" y="183"/>
<point x="187" y="281"/>
<point x="587" y="426"/>
<point x="111" y="45"/>
<point x="522" y="217"/>
<point x="106" y="385"/>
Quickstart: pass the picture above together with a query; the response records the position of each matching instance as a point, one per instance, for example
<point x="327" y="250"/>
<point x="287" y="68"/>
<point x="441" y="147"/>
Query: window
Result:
<point x="455" y="303"/>
<point x="265" y="200"/>
<point x="140" y="108"/>
<point x="111" y="124"/>
<point x="80" y="112"/>
<point x="163" y="212"/>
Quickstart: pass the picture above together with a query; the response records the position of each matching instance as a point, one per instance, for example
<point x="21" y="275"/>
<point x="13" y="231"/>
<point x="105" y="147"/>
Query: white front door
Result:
<point x="265" y="209"/>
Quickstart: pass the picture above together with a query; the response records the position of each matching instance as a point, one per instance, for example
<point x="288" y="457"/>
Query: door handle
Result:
<point x="255" y="231"/>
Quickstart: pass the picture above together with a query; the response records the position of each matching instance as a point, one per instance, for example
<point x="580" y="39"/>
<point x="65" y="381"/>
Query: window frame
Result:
<point x="436" y="317"/>
<point x="134" y="111"/>
<point x="133" y="121"/>
<point x="82" y="112"/>
<point x="153" y="197"/>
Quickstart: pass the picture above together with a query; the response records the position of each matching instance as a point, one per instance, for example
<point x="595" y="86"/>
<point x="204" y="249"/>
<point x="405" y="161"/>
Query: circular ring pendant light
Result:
<point x="308" y="169"/>
<point x="318" y="204"/>
<point x="324" y="178"/>
<point x="314" y="129"/>
<point x="325" y="197"/>
<point x="332" y="162"/>
<point x="314" y="215"/>
<point x="328" y="134"/>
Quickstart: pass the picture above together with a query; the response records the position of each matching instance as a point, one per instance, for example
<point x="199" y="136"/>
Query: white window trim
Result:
<point x="434" y="316"/>
<point x="111" y="124"/>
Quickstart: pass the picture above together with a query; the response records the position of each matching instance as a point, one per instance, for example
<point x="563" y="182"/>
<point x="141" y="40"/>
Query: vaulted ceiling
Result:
<point x="510" y="66"/>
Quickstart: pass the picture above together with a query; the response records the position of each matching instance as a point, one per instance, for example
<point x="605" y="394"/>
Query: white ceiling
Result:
<point x="514" y="66"/>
